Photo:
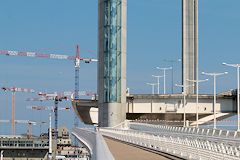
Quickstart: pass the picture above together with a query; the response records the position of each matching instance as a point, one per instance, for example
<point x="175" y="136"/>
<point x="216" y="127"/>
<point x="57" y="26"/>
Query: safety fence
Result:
<point x="187" y="143"/>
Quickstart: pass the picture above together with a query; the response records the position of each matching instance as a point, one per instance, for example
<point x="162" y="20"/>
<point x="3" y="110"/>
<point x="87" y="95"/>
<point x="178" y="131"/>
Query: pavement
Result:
<point x="122" y="151"/>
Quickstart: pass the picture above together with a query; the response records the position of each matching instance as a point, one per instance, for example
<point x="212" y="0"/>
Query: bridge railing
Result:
<point x="94" y="142"/>
<point x="206" y="132"/>
<point x="188" y="143"/>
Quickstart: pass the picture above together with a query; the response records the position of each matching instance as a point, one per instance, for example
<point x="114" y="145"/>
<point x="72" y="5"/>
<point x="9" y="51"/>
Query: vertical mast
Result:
<point x="77" y="67"/>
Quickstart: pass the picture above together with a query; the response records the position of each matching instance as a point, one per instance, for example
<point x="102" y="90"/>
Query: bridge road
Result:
<point x="103" y="148"/>
<point x="122" y="151"/>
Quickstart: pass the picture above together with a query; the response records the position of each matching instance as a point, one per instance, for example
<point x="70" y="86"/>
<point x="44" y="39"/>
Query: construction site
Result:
<point x="57" y="141"/>
<point x="79" y="106"/>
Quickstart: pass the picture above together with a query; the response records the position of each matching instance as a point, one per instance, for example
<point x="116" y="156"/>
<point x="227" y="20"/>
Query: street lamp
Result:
<point x="164" y="77"/>
<point x="152" y="84"/>
<point x="184" y="101"/>
<point x="1" y="155"/>
<point x="197" y="81"/>
<point x="172" y="62"/>
<point x="50" y="137"/>
<point x="214" y="93"/>
<point x="158" y="77"/>
<point x="238" y="109"/>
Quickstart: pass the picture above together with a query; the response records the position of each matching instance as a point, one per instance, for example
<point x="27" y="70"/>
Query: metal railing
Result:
<point x="188" y="131"/>
<point x="187" y="143"/>
<point x="94" y="142"/>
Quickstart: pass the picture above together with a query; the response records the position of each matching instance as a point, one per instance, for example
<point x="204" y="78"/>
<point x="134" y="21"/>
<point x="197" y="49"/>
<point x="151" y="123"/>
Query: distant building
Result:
<point x="25" y="147"/>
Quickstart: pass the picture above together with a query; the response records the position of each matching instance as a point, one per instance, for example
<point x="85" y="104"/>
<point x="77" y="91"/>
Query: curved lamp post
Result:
<point x="164" y="77"/>
<point x="158" y="77"/>
<point x="238" y="109"/>
<point x="172" y="64"/>
<point x="184" y="101"/>
<point x="153" y="85"/>
<point x="214" y="75"/>
<point x="197" y="81"/>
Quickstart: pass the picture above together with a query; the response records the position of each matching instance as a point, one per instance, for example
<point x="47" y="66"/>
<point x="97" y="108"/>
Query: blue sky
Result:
<point x="154" y="34"/>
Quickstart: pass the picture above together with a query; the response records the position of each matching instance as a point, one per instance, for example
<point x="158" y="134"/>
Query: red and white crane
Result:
<point x="28" y="122"/>
<point x="56" y="97"/>
<point x="76" y="58"/>
<point x="47" y="108"/>
<point x="29" y="125"/>
<point x="14" y="90"/>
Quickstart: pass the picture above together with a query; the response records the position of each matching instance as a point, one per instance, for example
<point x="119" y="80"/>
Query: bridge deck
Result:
<point x="126" y="152"/>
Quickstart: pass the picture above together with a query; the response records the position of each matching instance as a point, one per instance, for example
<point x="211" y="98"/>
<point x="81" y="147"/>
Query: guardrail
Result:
<point x="187" y="143"/>
<point x="94" y="142"/>
<point x="205" y="132"/>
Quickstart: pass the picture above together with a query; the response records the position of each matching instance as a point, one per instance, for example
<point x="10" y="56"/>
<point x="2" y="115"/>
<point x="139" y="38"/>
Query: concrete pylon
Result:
<point x="189" y="43"/>
<point x="112" y="62"/>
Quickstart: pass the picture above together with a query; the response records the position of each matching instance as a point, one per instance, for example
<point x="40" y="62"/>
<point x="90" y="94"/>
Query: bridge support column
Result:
<point x="189" y="43"/>
<point x="112" y="62"/>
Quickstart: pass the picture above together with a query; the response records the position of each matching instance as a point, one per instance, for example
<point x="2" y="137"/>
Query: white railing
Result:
<point x="223" y="135"/>
<point x="94" y="142"/>
<point x="187" y="143"/>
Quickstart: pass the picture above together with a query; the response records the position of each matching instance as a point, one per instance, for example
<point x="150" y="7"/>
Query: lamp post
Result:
<point x="158" y="77"/>
<point x="184" y="101"/>
<point x="197" y="81"/>
<point x="238" y="109"/>
<point x="1" y="155"/>
<point x="172" y="63"/>
<point x="50" y="137"/>
<point x="152" y="84"/>
<point x="164" y="77"/>
<point x="214" y="93"/>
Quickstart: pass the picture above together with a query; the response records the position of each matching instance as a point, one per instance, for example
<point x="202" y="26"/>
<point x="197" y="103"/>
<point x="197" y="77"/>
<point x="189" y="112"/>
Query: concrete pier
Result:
<point x="189" y="43"/>
<point x="112" y="62"/>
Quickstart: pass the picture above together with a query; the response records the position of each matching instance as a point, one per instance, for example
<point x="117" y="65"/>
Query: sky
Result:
<point x="153" y="36"/>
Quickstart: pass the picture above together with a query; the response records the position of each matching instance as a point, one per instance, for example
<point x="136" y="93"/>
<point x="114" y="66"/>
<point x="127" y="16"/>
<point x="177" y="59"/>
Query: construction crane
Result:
<point x="80" y="93"/>
<point x="76" y="58"/>
<point x="28" y="122"/>
<point x="56" y="97"/>
<point x="48" y="108"/>
<point x="29" y="125"/>
<point x="14" y="90"/>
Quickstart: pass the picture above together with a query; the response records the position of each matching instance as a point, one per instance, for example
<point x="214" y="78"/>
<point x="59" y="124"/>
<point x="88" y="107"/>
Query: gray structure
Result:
<point x="112" y="62"/>
<point x="167" y="107"/>
<point x="189" y="43"/>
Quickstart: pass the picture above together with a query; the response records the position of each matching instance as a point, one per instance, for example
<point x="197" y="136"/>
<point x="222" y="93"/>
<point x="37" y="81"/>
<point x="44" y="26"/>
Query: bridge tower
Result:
<point x="189" y="43"/>
<point x="112" y="62"/>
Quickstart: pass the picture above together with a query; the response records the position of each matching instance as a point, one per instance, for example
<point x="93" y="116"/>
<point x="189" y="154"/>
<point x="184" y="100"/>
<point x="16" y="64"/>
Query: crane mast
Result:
<point x="77" y="68"/>
<point x="14" y="90"/>
<point x="76" y="58"/>
<point x="57" y="97"/>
